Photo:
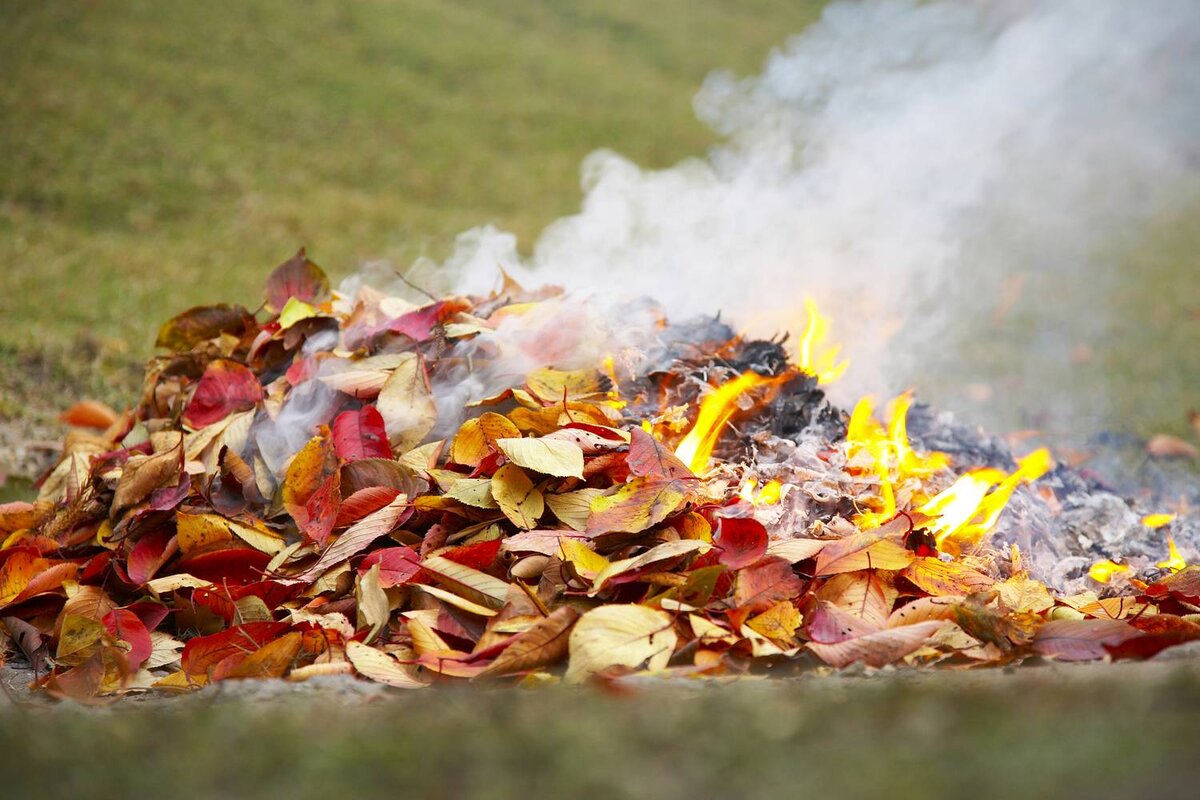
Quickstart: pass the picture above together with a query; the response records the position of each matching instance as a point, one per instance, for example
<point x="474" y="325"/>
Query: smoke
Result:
<point x="897" y="162"/>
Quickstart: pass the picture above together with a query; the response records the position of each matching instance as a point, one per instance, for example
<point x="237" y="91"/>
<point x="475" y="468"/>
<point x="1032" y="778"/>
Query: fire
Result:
<point x="715" y="411"/>
<point x="1157" y="520"/>
<point x="892" y="456"/>
<point x="969" y="509"/>
<point x="768" y="495"/>
<point x="1103" y="571"/>
<point x="814" y="358"/>
<point x="1174" y="561"/>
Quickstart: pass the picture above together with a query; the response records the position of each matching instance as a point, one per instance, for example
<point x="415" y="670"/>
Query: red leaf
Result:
<point x="361" y="434"/>
<point x="225" y="387"/>
<point x="203" y="653"/>
<point x="222" y="600"/>
<point x="235" y="565"/>
<point x="766" y="582"/>
<point x="418" y="325"/>
<point x="126" y="626"/>
<point x="480" y="555"/>
<point x="363" y="502"/>
<point x="648" y="456"/>
<point x="148" y="555"/>
<point x="1161" y="631"/>
<point x="150" y="613"/>
<point x="397" y="565"/>
<point x="741" y="541"/>
<point x="1081" y="639"/>
<point x="299" y="278"/>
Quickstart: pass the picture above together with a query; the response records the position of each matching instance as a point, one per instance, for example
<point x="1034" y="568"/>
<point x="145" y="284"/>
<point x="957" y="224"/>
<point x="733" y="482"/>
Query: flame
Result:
<point x="814" y="359"/>
<point x="892" y="457"/>
<point x="1174" y="560"/>
<point x="1157" y="520"/>
<point x="1103" y="571"/>
<point x="715" y="411"/>
<point x="768" y="495"/>
<point x="969" y="509"/>
<point x="609" y="367"/>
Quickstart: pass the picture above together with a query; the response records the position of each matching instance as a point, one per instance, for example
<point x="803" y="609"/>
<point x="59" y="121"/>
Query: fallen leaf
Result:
<point x="637" y="505"/>
<point x="372" y="605"/>
<point x="89" y="414"/>
<point x="543" y="644"/>
<point x="203" y="323"/>
<point x="547" y="456"/>
<point x="940" y="578"/>
<point x="620" y="635"/>
<point x="517" y="497"/>
<point x="648" y="457"/>
<point x="740" y="541"/>
<point x="1164" y="445"/>
<point x="406" y="404"/>
<point x="861" y="551"/>
<point x="382" y="668"/>
<point x="877" y="649"/>
<point x="361" y="434"/>
<point x="865" y="594"/>
<point x="296" y="278"/>
<point x="226" y="387"/>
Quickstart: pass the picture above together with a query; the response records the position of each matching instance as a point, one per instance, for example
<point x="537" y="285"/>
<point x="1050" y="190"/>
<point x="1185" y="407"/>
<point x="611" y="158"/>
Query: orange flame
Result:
<point x="715" y="411"/>
<point x="814" y="358"/>
<point x="964" y="513"/>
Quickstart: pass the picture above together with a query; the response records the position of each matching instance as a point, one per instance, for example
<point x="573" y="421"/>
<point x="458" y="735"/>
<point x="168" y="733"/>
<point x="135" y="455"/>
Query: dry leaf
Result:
<point x="547" y="456"/>
<point x="620" y="635"/>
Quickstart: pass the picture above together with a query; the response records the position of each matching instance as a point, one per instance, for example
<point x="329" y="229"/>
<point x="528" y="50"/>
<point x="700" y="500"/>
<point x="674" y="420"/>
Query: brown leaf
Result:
<point x="202" y="323"/>
<point x="940" y="578"/>
<point x="877" y="649"/>
<point x="865" y="594"/>
<point x="543" y="644"/>
<point x="142" y="476"/>
<point x="1081" y="639"/>
<point x="299" y="278"/>
<point x="648" y="457"/>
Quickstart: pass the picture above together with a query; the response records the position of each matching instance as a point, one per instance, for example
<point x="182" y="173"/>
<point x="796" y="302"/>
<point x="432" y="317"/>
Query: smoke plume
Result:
<point x="898" y="162"/>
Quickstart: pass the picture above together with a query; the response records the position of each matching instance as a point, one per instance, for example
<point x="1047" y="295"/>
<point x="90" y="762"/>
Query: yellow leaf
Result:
<point x="861" y="551"/>
<point x="294" y="311"/>
<point x="667" y="551"/>
<point x="495" y="427"/>
<point x="1022" y="593"/>
<point x="380" y="667"/>
<point x="796" y="550"/>
<point x="467" y="581"/>
<point x="637" y="505"/>
<point x="460" y="603"/>
<point x="16" y="573"/>
<point x="470" y="446"/>
<point x="272" y="660"/>
<point x="573" y="508"/>
<point x="620" y="635"/>
<point x="476" y="492"/>
<point x="778" y="623"/>
<point x="406" y="404"/>
<point x="550" y="385"/>
<point x="518" y="499"/>
<point x="586" y="561"/>
<point x="78" y="639"/>
<point x="548" y="456"/>
<point x="373" y="607"/>
<point x="864" y="594"/>
<point x="199" y="532"/>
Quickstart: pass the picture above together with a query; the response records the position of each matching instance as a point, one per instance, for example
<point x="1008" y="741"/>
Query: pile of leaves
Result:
<point x="550" y="537"/>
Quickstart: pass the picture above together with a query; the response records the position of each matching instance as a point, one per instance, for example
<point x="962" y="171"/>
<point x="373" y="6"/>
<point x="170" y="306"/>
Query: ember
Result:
<point x="354" y="484"/>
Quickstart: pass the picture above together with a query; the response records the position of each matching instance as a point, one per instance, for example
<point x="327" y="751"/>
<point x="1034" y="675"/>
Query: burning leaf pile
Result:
<point x="322" y="488"/>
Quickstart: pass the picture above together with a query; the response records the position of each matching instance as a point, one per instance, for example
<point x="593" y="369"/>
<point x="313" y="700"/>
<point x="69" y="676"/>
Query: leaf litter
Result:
<point x="564" y="530"/>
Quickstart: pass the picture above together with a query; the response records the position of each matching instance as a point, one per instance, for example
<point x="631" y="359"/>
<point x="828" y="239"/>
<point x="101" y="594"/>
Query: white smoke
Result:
<point x="894" y="161"/>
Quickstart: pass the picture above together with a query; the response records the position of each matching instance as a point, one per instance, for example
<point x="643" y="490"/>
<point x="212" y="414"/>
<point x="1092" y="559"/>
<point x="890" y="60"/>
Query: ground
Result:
<point x="158" y="156"/>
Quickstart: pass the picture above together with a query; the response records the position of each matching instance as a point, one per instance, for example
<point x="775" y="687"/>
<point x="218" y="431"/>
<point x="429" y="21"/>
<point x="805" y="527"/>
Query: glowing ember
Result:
<point x="1157" y="520"/>
<point x="715" y="411"/>
<point x="1103" y="571"/>
<point x="1174" y="561"/>
<point x="814" y="358"/>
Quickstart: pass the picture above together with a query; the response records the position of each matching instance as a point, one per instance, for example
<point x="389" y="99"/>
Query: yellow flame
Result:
<point x="1157" y="520"/>
<point x="813" y="357"/>
<point x="715" y="411"/>
<point x="893" y="458"/>
<point x="768" y="495"/>
<point x="1103" y="571"/>
<point x="967" y="511"/>
<point x="1174" y="560"/>
<point x="613" y="400"/>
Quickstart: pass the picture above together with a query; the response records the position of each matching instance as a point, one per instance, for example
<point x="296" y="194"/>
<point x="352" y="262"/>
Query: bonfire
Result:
<point x="467" y="489"/>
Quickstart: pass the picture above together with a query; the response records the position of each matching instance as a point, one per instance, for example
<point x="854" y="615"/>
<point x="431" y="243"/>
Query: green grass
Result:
<point x="1108" y="732"/>
<point x="160" y="155"/>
